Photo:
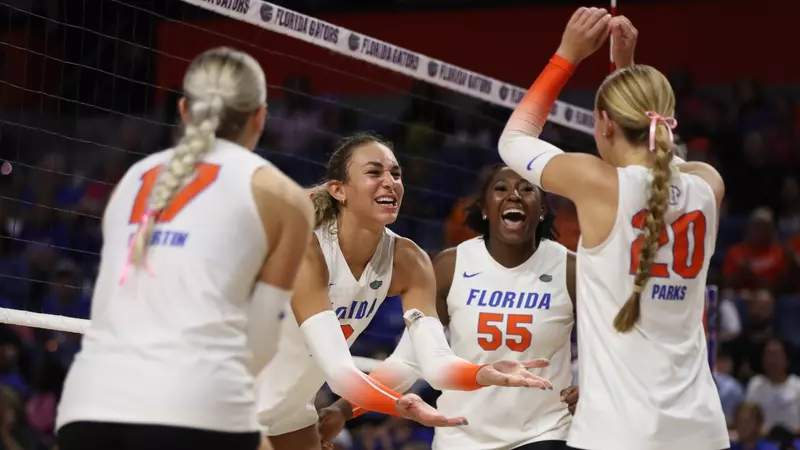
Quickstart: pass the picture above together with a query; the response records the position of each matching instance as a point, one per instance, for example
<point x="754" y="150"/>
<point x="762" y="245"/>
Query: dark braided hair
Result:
<point x="475" y="221"/>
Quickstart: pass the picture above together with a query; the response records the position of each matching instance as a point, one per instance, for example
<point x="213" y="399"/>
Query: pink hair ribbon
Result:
<point x="146" y="218"/>
<point x="655" y="117"/>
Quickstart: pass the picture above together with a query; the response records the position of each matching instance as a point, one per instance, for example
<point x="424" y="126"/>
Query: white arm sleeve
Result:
<point x="526" y="154"/>
<point x="324" y="339"/>
<point x="267" y="302"/>
<point x="437" y="361"/>
<point x="402" y="363"/>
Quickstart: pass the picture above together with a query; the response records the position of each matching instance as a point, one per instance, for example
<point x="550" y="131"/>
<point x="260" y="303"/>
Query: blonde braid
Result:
<point x="198" y="139"/>
<point x="657" y="203"/>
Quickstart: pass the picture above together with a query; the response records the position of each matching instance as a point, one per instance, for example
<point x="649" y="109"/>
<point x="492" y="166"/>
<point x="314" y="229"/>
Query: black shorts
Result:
<point x="122" y="436"/>
<point x="544" y="445"/>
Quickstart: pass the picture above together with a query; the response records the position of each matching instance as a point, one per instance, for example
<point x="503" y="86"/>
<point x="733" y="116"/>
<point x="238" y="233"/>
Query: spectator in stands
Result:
<point x="747" y="349"/>
<point x="748" y="435"/>
<point x="730" y="390"/>
<point x="730" y="324"/>
<point x="759" y="261"/>
<point x="10" y="349"/>
<point x="14" y="432"/>
<point x="67" y="297"/>
<point x="777" y="391"/>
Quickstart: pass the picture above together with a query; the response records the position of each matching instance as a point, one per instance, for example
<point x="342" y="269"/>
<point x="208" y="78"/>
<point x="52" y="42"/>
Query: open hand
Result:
<point x="411" y="406"/>
<point x="586" y="32"/>
<point x="624" y="41"/>
<point x="513" y="373"/>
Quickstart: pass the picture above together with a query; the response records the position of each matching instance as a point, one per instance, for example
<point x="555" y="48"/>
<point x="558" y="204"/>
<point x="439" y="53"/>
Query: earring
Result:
<point x="484" y="217"/>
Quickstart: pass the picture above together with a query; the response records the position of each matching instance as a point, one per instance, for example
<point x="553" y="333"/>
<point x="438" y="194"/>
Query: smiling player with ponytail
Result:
<point x="648" y="225"/>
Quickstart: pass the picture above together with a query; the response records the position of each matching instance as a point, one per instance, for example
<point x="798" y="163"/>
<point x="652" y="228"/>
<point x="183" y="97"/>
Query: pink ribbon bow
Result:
<point x="655" y="117"/>
<point x="146" y="218"/>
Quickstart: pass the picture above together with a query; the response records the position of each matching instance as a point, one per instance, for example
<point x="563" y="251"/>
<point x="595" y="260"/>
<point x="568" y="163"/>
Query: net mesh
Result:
<point x="90" y="86"/>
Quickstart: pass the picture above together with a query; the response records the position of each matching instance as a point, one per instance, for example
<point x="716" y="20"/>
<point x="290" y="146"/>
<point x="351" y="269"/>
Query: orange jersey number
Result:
<point x="688" y="246"/>
<point x="347" y="331"/>
<point x="205" y="175"/>
<point x="516" y="336"/>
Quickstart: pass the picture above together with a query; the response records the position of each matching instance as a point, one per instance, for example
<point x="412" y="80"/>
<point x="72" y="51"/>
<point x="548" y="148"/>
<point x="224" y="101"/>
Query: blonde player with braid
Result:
<point x="202" y="245"/>
<point x="648" y="226"/>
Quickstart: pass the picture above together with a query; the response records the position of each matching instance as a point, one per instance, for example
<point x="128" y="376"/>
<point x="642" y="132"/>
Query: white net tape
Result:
<point x="397" y="59"/>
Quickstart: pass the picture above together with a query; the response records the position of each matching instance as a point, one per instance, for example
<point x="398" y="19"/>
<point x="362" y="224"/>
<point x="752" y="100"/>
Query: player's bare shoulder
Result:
<point x="277" y="195"/>
<point x="409" y="264"/>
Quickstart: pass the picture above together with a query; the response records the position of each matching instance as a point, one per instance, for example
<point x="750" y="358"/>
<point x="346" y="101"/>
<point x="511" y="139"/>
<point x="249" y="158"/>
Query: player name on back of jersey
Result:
<point x="668" y="292"/>
<point x="166" y="238"/>
<point x="508" y="299"/>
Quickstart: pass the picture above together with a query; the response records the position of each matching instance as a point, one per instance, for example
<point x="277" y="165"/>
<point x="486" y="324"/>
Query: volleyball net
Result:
<point x="90" y="87"/>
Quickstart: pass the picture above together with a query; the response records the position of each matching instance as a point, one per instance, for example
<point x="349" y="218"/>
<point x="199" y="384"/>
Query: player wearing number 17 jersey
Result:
<point x="648" y="226"/>
<point x="202" y="243"/>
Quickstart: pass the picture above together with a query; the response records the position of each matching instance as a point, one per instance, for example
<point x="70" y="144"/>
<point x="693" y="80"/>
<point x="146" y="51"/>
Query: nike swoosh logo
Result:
<point x="466" y="275"/>
<point x="530" y="164"/>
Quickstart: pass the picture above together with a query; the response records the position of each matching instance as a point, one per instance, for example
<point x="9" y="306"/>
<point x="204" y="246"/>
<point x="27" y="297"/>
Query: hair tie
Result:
<point x="637" y="289"/>
<point x="669" y="121"/>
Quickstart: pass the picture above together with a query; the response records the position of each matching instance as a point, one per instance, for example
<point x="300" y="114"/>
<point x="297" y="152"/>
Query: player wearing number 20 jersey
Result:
<point x="648" y="225"/>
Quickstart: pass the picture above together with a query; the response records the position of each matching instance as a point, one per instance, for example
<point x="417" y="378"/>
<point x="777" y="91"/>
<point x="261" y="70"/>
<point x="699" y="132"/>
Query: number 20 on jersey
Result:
<point x="688" y="245"/>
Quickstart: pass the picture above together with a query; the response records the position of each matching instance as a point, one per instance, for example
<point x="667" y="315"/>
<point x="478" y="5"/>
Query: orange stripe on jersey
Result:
<point x="531" y="114"/>
<point x="205" y="175"/>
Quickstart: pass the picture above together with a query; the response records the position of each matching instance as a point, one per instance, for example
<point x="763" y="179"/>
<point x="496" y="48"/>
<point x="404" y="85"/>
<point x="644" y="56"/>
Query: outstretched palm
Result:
<point x="513" y="373"/>
<point x="411" y="406"/>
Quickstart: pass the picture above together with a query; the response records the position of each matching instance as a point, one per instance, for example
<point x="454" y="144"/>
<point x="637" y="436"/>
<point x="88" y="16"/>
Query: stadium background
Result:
<point x="88" y="87"/>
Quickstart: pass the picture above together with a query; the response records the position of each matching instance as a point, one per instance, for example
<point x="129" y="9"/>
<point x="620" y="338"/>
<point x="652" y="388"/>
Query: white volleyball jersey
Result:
<point x="650" y="388"/>
<point x="170" y="348"/>
<point x="519" y="314"/>
<point x="291" y="380"/>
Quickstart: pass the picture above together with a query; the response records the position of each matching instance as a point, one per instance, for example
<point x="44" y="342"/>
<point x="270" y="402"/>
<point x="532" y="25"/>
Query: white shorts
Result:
<point x="286" y="423"/>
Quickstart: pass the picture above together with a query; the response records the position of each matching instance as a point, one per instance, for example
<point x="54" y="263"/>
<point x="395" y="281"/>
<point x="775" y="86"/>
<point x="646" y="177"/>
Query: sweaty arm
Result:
<point x="326" y="343"/>
<point x="440" y="367"/>
<point x="287" y="216"/>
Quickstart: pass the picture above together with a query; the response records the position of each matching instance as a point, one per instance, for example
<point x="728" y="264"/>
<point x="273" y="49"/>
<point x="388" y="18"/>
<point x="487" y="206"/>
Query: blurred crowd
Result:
<point x="52" y="200"/>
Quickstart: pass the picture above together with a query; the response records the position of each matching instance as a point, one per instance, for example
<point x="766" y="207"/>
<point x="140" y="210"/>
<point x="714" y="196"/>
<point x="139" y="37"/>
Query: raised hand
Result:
<point x="411" y="406"/>
<point x="586" y="31"/>
<point x="513" y="373"/>
<point x="624" y="42"/>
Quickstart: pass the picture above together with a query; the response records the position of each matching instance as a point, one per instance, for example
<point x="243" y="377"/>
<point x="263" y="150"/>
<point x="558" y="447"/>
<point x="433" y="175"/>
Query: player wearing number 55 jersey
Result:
<point x="648" y="226"/>
<point x="508" y="295"/>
